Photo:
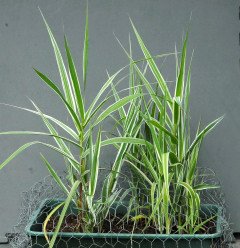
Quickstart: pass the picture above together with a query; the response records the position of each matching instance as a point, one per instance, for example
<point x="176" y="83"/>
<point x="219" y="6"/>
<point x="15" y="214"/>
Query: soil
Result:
<point x="115" y="225"/>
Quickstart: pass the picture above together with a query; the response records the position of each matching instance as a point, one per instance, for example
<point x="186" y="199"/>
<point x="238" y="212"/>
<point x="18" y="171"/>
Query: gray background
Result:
<point x="24" y="43"/>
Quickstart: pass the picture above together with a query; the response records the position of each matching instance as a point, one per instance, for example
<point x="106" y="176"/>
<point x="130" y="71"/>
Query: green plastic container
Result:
<point x="122" y="240"/>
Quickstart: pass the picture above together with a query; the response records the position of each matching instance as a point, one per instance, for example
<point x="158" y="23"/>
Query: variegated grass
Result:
<point x="83" y="169"/>
<point x="167" y="163"/>
<point x="154" y="138"/>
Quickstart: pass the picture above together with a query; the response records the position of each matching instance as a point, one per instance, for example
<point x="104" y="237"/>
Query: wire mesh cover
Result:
<point x="115" y="232"/>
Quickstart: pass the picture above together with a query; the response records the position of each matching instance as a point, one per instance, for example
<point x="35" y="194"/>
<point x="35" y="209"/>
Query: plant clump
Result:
<point x="153" y="138"/>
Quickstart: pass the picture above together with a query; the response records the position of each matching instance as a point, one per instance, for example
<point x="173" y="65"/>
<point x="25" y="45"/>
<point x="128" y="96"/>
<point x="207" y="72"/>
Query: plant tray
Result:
<point x="121" y="240"/>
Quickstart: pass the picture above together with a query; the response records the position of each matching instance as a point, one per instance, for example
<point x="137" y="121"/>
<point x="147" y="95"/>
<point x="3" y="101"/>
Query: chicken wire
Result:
<point x="116" y="230"/>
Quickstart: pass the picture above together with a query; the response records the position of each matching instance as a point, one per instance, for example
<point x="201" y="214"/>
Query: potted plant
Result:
<point x="163" y="208"/>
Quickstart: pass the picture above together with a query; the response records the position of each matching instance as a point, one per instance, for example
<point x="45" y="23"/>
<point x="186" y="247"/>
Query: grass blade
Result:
<point x="128" y="140"/>
<point x="18" y="151"/>
<point x="140" y="172"/>
<point x="40" y="134"/>
<point x="115" y="106"/>
<point x="101" y="91"/>
<point x="75" y="81"/>
<point x="55" y="175"/>
<point x="52" y="130"/>
<point x="152" y="65"/>
<point x="180" y="81"/>
<point x="55" y="89"/>
<point x="163" y="129"/>
<point x="95" y="166"/>
<point x="60" y="124"/>
<point x="47" y="220"/>
<point x="61" y="67"/>
<point x="25" y="146"/>
<point x="85" y="51"/>
<point x="202" y="134"/>
<point x="205" y="186"/>
<point x="63" y="213"/>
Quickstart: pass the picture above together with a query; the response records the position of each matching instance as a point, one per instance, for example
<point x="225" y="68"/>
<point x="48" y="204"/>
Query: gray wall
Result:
<point x="215" y="75"/>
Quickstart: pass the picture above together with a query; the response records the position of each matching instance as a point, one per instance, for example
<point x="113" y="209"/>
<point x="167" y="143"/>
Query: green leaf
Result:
<point x="95" y="166"/>
<point x="63" y="213"/>
<point x="75" y="81"/>
<point x="47" y="220"/>
<point x="166" y="197"/>
<point x="115" y="106"/>
<point x="202" y="134"/>
<point x="152" y="65"/>
<point x="188" y="188"/>
<point x="101" y="91"/>
<point x="52" y="130"/>
<point x="25" y="146"/>
<point x="187" y="88"/>
<point x="199" y="226"/>
<point x="55" y="88"/>
<point x="205" y="186"/>
<point x="121" y="110"/>
<point x="180" y="82"/>
<point x="194" y="196"/>
<point x="140" y="172"/>
<point x="148" y="85"/>
<point x="85" y="51"/>
<point x="138" y="217"/>
<point x="40" y="134"/>
<point x="149" y="165"/>
<point x="55" y="175"/>
<point x="173" y="158"/>
<point x="60" y="124"/>
<point x="128" y="140"/>
<point x="131" y="71"/>
<point x="157" y="147"/>
<point x="129" y="130"/>
<point x="176" y="113"/>
<point x="163" y="129"/>
<point x="165" y="158"/>
<point x="61" y="67"/>
<point x="18" y="151"/>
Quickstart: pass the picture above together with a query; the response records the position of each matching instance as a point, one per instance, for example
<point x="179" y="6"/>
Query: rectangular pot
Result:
<point x="121" y="240"/>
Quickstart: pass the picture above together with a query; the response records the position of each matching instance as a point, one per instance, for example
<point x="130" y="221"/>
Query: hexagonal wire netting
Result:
<point x="117" y="230"/>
